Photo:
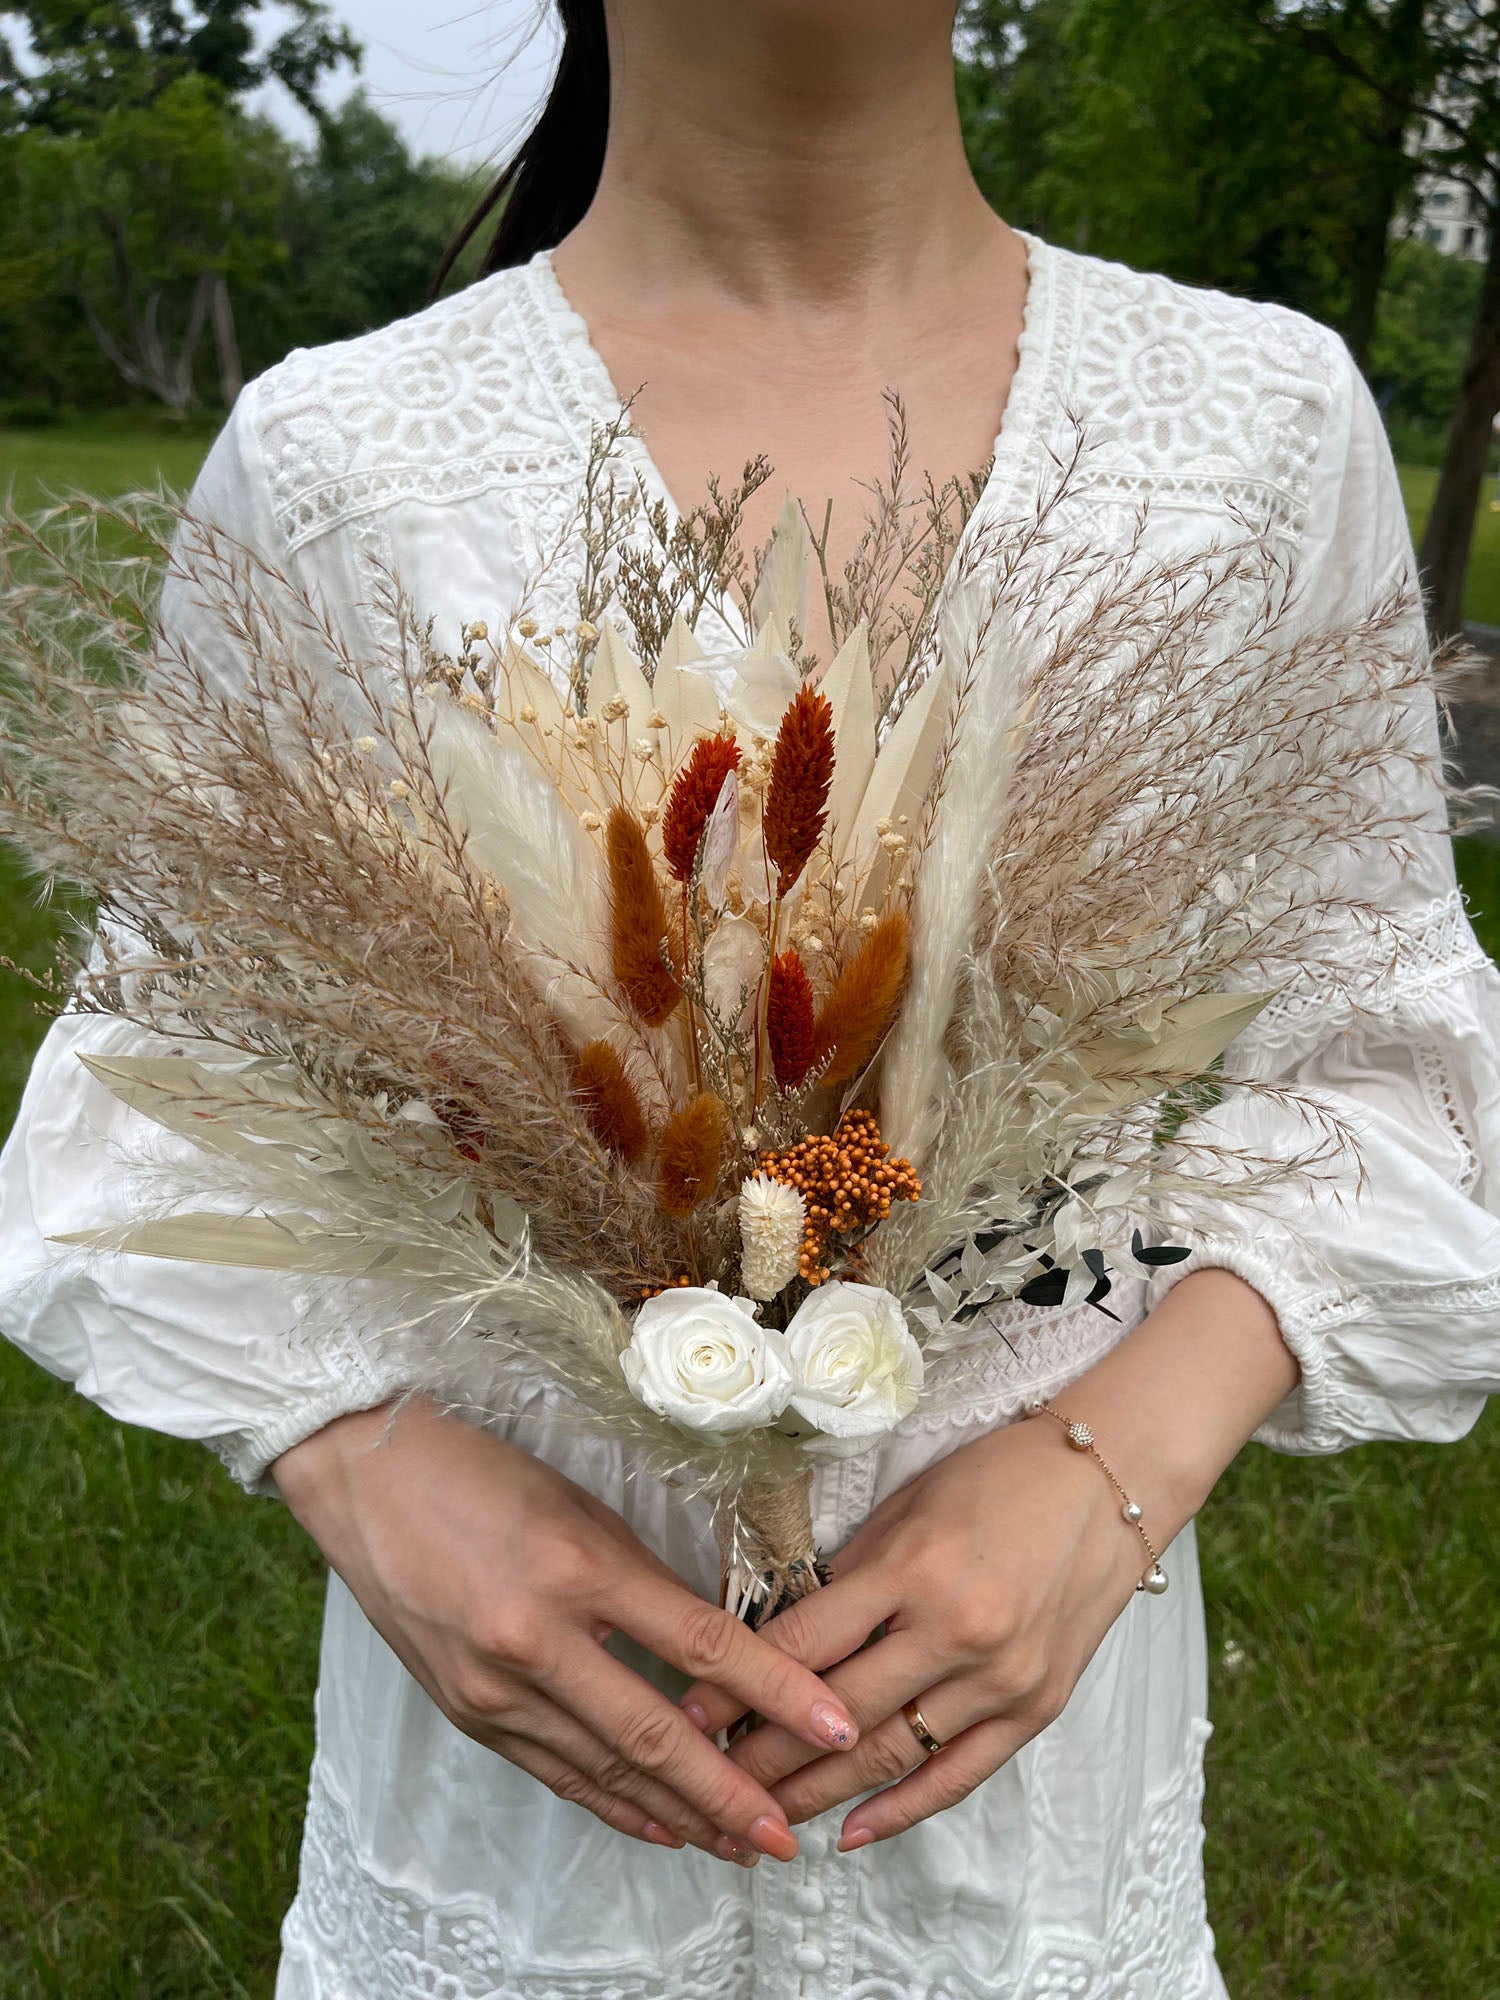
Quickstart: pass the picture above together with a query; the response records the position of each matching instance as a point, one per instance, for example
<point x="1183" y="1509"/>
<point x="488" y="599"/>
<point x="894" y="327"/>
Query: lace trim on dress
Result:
<point x="352" y="1936"/>
<point x="1438" y="947"/>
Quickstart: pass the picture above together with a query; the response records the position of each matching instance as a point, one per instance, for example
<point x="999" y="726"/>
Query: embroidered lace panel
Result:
<point x="353" y="1936"/>
<point x="1191" y="398"/>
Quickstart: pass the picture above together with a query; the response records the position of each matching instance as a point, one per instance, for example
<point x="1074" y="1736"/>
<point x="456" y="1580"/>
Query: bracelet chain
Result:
<point x="1081" y="1437"/>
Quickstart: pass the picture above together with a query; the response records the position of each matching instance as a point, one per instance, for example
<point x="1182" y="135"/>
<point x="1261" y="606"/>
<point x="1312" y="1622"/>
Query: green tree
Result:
<point x="1427" y="76"/>
<point x="148" y="220"/>
<point x="1165" y="133"/>
<point x="88" y="58"/>
<point x="152" y="190"/>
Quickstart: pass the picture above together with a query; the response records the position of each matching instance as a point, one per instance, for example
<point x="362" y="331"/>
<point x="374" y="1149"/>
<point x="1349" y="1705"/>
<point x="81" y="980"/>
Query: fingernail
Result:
<point x="854" y="1836"/>
<point x="729" y="1849"/>
<point x="833" y="1725"/>
<point x="663" y="1836"/>
<point x="774" y="1837"/>
<point x="696" y="1714"/>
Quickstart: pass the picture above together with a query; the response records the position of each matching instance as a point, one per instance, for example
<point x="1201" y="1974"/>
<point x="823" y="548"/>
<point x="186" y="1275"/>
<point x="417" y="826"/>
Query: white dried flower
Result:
<point x="702" y="1359"/>
<point x="771" y="1222"/>
<point x="527" y="714"/>
<point x="858" y="1370"/>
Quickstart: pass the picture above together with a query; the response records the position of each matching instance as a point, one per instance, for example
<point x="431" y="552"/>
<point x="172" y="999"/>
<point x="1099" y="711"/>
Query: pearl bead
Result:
<point x="1133" y="1513"/>
<point x="1155" y="1581"/>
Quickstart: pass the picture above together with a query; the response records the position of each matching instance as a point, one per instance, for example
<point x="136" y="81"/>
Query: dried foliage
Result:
<point x="692" y="1154"/>
<point x="694" y="795"/>
<point x="638" y="923"/>
<point x="790" y="1021"/>
<point x="801" y="778"/>
<point x="862" y="1002"/>
<point x="610" y="1101"/>
<point x="1033" y="857"/>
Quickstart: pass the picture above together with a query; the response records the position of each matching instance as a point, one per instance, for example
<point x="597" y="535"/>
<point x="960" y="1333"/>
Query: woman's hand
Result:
<point x="997" y="1572"/>
<point x="496" y="1582"/>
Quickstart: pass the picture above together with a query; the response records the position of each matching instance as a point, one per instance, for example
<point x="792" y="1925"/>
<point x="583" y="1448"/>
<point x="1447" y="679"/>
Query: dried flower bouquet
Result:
<point x="719" y="1031"/>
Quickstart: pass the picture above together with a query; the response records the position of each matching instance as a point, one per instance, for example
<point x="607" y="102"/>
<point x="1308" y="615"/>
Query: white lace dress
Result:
<point x="451" y="447"/>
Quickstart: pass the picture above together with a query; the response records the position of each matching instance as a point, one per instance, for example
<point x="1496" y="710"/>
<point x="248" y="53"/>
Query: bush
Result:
<point x="30" y="413"/>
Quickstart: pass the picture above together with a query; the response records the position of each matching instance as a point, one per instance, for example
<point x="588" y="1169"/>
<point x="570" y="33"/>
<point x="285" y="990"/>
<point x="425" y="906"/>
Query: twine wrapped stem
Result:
<point x="767" y="1549"/>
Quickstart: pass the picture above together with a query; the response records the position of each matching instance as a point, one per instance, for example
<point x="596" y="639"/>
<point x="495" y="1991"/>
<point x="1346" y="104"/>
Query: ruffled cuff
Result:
<point x="1410" y="1362"/>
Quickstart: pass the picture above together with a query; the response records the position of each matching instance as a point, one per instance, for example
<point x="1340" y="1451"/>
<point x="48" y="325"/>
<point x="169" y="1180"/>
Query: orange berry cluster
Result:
<point x="672" y="1284"/>
<point x="848" y="1180"/>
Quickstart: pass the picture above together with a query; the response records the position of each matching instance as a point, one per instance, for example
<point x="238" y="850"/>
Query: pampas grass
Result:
<point x="638" y="922"/>
<point x="353" y="882"/>
<point x="862" y="1001"/>
<point x="692" y="1154"/>
<point x="609" y="1098"/>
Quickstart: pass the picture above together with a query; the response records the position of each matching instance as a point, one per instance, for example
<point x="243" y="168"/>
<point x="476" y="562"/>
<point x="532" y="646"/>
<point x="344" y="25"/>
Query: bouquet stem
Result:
<point x="766" y="1545"/>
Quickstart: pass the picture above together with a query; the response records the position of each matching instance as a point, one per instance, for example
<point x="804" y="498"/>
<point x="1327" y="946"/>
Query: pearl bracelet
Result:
<point x="1081" y="1437"/>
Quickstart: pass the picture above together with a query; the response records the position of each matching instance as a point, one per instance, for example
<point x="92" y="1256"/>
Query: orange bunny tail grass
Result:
<point x="638" y="922"/>
<point x="862" y="1001"/>
<point x="610" y="1103"/>
<point x="801" y="774"/>
<point x="695" y="793"/>
<point x="692" y="1149"/>
<point x="790" y="1017"/>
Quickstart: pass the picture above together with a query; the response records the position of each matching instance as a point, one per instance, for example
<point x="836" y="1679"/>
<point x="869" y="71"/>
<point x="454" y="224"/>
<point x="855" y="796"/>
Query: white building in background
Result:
<point x="1451" y="216"/>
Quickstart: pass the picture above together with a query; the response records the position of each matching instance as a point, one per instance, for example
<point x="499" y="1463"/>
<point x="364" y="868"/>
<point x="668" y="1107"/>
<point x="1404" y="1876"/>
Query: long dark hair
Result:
<point x="550" y="182"/>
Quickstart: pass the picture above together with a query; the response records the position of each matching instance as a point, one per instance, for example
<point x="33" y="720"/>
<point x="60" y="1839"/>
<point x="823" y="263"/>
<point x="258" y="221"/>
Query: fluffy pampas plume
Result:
<point x="862" y="1001"/>
<point x="694" y="796"/>
<point x="980" y="648"/>
<point x="692" y="1149"/>
<point x="638" y="922"/>
<point x="790" y="1020"/>
<point x="608" y="1097"/>
<point x="801" y="774"/>
<point x="772" y="1219"/>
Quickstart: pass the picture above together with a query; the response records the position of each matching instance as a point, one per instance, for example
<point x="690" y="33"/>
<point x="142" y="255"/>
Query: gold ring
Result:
<point x="920" y="1730"/>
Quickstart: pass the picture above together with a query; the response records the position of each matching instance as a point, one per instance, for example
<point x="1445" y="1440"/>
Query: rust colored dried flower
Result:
<point x="638" y="922"/>
<point x="609" y="1102"/>
<point x="801" y="774"/>
<point x="862" y="1001"/>
<point x="848" y="1181"/>
<point x="692" y="1149"/>
<point x="790" y="1016"/>
<point x="695" y="793"/>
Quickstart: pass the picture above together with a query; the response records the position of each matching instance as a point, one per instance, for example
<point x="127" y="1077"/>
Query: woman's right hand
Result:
<point x="496" y="1581"/>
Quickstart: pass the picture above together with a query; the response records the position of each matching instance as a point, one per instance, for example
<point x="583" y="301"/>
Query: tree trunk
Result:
<point x="1386" y="183"/>
<point x="1392" y="171"/>
<point x="226" y="342"/>
<point x="1450" y="530"/>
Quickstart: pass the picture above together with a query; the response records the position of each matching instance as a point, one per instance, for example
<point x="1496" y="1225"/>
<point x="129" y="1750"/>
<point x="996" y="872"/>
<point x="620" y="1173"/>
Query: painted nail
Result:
<point x="774" y="1837"/>
<point x="854" y="1836"/>
<point x="834" y="1726"/>
<point x="729" y="1849"/>
<point x="696" y="1714"/>
<point x="663" y="1836"/>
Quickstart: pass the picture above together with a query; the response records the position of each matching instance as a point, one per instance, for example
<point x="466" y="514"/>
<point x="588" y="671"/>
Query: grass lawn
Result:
<point x="1482" y="598"/>
<point x="158" y="1649"/>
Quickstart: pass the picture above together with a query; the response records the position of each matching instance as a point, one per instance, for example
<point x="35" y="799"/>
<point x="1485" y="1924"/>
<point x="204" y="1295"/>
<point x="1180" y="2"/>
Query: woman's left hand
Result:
<point x="997" y="1572"/>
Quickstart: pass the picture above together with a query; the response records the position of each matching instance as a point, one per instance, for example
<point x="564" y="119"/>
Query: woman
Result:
<point x="781" y="227"/>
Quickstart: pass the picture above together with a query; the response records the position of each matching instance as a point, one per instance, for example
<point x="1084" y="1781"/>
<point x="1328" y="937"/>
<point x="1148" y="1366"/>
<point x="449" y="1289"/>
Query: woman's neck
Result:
<point x="777" y="156"/>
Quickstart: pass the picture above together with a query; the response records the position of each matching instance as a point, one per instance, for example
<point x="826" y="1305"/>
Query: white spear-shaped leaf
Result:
<point x="781" y="592"/>
<point x="851" y="694"/>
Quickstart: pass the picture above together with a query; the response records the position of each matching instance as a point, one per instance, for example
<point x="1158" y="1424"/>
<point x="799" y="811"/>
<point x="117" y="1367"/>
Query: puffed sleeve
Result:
<point x="247" y="1362"/>
<point x="1383" y="1268"/>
